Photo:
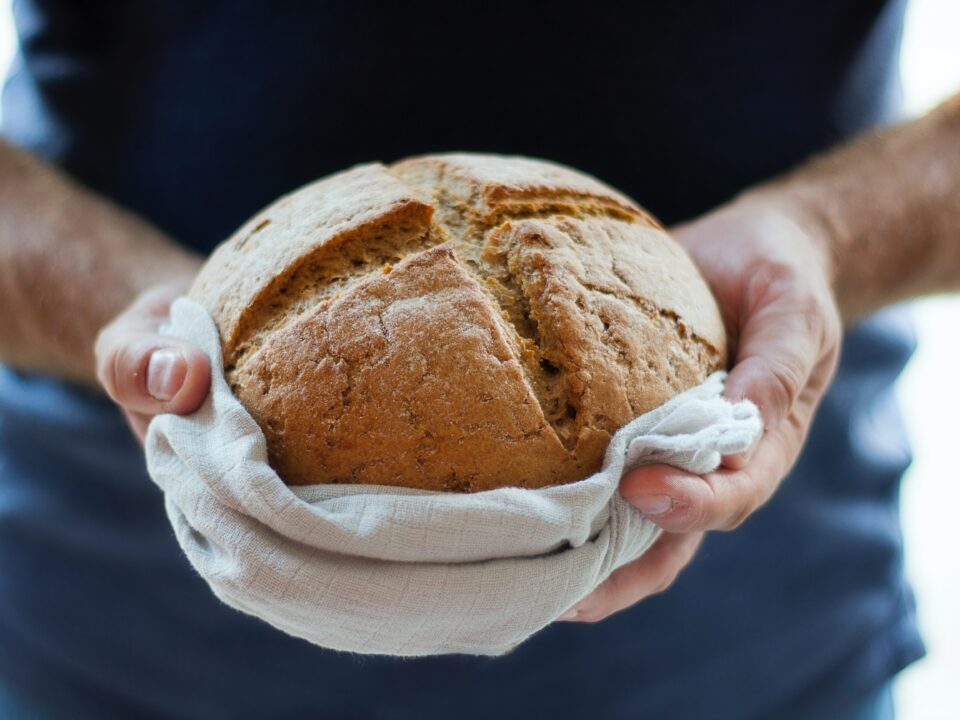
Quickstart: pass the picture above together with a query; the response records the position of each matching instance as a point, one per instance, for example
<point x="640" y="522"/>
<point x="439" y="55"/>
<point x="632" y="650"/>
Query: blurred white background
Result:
<point x="928" y="690"/>
<point x="928" y="390"/>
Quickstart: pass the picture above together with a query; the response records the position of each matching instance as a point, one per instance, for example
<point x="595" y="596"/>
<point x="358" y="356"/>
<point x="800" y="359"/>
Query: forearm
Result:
<point x="887" y="210"/>
<point x="69" y="261"/>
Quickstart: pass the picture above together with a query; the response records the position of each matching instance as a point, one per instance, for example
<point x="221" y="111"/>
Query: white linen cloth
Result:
<point x="396" y="571"/>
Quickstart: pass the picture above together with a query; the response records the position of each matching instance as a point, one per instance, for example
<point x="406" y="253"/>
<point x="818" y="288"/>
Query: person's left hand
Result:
<point x="771" y="275"/>
<point x="145" y="372"/>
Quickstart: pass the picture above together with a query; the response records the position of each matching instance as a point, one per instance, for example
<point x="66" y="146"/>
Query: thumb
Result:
<point x="148" y="373"/>
<point x="151" y="374"/>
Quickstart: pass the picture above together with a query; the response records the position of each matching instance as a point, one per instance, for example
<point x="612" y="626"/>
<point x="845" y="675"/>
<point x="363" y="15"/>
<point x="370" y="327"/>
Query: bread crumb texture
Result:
<point x="455" y="322"/>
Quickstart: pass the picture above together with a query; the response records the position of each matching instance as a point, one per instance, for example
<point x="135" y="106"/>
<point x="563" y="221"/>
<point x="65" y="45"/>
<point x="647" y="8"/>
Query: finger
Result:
<point x="773" y="364"/>
<point x="149" y="373"/>
<point x="679" y="501"/>
<point x="652" y="573"/>
<point x="783" y="337"/>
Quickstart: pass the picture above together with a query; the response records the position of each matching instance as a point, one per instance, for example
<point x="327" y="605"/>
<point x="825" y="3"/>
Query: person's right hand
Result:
<point x="771" y="274"/>
<point x="147" y="373"/>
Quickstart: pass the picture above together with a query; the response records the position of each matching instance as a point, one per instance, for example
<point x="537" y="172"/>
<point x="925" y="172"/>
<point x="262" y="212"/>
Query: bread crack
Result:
<point x="694" y="345"/>
<point x="325" y="275"/>
<point x="470" y="225"/>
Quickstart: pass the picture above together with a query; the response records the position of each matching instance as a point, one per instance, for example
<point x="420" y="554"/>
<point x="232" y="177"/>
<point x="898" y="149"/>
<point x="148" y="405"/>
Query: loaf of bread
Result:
<point x="455" y="322"/>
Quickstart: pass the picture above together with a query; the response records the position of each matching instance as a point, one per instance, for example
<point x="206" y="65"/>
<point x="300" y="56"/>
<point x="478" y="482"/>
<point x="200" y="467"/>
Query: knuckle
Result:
<point x="753" y="496"/>
<point x="693" y="515"/>
<point x="738" y="517"/>
<point x="785" y="383"/>
<point x="831" y="334"/>
<point x="813" y="313"/>
<point x="757" y="498"/>
<point x="833" y="323"/>
<point x="755" y="491"/>
<point x="809" y="297"/>
<point x="773" y="273"/>
<point x="107" y="370"/>
<point x="699" y="509"/>
<point x="823" y="318"/>
<point x="664" y="583"/>
<point x="593" y="614"/>
<point x="769" y="279"/>
<point x="126" y="370"/>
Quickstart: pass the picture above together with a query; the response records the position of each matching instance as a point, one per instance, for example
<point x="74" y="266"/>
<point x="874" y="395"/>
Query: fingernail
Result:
<point x="652" y="505"/>
<point x="165" y="373"/>
<point x="570" y="614"/>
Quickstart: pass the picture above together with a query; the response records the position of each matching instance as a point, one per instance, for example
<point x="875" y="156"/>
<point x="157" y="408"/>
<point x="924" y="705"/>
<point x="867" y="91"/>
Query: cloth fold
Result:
<point x="399" y="571"/>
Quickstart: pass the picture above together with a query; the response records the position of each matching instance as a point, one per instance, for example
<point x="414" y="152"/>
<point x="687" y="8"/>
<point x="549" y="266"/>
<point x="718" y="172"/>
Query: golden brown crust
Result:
<point x="489" y="187"/>
<point x="332" y="221"/>
<point x="456" y="322"/>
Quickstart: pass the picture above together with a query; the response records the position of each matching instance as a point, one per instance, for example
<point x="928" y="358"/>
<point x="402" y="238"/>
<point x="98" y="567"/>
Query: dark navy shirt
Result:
<point x="196" y="114"/>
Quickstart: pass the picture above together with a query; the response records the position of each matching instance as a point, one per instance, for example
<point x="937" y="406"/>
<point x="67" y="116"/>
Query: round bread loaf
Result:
<point x="455" y="322"/>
